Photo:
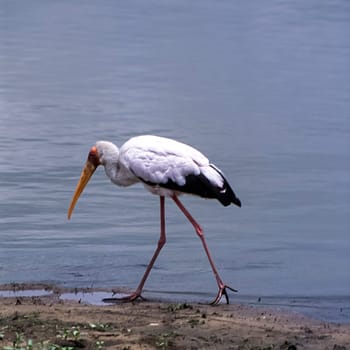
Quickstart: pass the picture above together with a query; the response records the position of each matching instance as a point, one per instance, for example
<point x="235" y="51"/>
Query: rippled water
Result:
<point x="262" y="88"/>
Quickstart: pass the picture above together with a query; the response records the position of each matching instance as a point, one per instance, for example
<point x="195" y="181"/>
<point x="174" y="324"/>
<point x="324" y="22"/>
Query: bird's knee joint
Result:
<point x="199" y="231"/>
<point x="161" y="242"/>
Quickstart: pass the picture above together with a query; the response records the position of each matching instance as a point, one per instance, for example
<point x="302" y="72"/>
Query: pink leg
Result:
<point x="199" y="231"/>
<point x="161" y="242"/>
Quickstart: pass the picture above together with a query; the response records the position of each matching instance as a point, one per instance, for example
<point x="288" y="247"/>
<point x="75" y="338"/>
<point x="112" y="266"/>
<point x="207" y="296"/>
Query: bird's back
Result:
<point x="165" y="163"/>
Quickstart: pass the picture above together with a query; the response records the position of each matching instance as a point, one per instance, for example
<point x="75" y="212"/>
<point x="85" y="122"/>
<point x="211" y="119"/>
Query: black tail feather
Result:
<point x="225" y="194"/>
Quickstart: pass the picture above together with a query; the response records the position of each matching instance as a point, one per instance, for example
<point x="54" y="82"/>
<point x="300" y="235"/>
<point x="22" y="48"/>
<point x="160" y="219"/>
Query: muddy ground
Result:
<point x="48" y="323"/>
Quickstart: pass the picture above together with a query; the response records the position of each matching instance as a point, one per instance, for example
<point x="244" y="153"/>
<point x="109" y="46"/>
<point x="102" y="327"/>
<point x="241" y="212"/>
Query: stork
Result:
<point x="166" y="168"/>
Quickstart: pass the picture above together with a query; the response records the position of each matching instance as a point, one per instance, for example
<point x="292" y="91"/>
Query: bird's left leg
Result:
<point x="222" y="286"/>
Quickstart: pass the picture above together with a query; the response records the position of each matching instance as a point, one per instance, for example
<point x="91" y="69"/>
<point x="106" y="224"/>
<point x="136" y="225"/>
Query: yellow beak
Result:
<point x="85" y="176"/>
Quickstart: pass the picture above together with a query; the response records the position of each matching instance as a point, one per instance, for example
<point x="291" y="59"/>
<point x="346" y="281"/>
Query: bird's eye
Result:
<point x="94" y="156"/>
<point x="93" y="152"/>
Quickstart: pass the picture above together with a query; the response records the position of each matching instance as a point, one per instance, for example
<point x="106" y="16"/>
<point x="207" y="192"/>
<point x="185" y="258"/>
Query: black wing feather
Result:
<point x="201" y="186"/>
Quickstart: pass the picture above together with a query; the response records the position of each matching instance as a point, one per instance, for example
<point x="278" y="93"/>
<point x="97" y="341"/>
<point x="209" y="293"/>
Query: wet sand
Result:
<point x="47" y="319"/>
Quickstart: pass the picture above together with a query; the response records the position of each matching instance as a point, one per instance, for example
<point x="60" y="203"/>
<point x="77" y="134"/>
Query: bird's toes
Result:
<point x="129" y="298"/>
<point x="217" y="299"/>
<point x="222" y="292"/>
<point x="134" y="297"/>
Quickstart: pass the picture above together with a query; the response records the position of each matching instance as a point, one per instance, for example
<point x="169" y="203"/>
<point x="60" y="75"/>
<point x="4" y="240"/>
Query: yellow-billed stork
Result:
<point x="166" y="168"/>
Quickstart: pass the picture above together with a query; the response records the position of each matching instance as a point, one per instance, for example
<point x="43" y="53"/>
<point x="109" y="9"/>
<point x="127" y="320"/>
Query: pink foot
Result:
<point x="132" y="297"/>
<point x="129" y="298"/>
<point x="222" y="291"/>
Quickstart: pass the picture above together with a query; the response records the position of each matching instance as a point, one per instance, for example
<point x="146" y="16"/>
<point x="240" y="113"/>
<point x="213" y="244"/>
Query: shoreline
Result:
<point x="329" y="309"/>
<point x="159" y="324"/>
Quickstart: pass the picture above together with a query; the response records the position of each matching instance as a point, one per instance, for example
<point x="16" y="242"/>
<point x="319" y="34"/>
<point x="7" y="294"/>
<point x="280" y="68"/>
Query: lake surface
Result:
<point x="261" y="87"/>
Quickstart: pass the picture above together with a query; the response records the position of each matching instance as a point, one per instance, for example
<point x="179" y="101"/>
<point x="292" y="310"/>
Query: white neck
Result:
<point x="115" y="170"/>
<point x="109" y="156"/>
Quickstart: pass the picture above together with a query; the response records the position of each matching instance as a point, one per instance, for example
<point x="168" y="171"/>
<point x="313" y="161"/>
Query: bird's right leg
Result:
<point x="161" y="242"/>
<point x="222" y="286"/>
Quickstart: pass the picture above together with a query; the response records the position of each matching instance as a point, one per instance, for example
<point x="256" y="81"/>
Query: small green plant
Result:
<point x="20" y="344"/>
<point x="63" y="334"/>
<point x="57" y="347"/>
<point x="165" y="340"/>
<point x="75" y="333"/>
<point x="101" y="327"/>
<point x="29" y="344"/>
<point x="72" y="333"/>
<point x="99" y="344"/>
<point x="68" y="335"/>
<point x="2" y="332"/>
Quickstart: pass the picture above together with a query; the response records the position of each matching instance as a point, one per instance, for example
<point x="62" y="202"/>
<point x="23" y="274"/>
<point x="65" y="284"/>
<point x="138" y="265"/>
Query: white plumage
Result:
<point x="167" y="168"/>
<point x="157" y="159"/>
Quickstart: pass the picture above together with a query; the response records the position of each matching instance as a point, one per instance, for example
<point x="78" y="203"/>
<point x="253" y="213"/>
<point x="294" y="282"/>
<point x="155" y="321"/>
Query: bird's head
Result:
<point x="102" y="153"/>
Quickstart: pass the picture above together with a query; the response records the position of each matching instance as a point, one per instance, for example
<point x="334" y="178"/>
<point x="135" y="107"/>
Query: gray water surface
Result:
<point x="261" y="87"/>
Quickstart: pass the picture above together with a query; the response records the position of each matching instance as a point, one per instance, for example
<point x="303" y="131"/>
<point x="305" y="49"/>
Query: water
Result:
<point x="262" y="88"/>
